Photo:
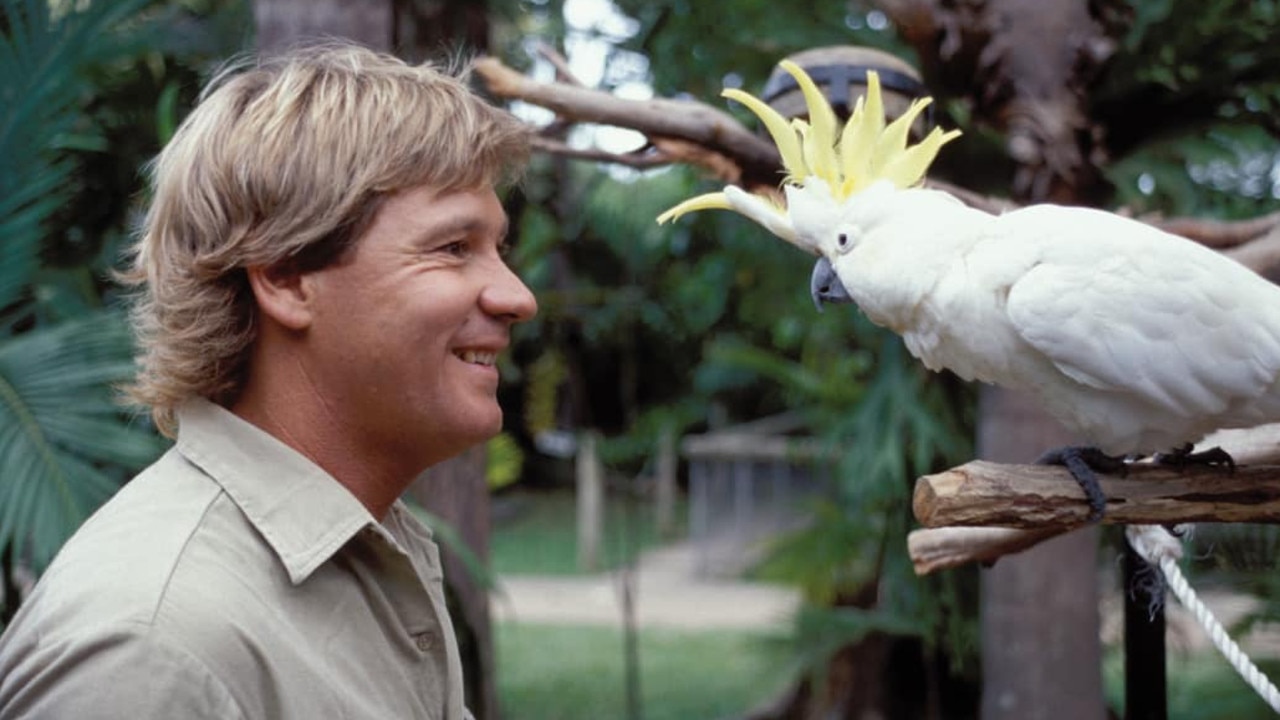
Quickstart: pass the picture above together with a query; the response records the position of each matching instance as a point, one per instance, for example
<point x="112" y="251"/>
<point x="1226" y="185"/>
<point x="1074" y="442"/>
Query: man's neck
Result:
<point x="293" y="417"/>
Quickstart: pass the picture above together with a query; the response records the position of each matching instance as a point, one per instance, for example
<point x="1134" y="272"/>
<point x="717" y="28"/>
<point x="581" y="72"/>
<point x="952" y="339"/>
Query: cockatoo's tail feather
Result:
<point x="847" y="159"/>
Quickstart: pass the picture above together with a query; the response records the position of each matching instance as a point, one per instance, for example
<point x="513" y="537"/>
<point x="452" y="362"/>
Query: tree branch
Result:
<point x="756" y="159"/>
<point x="692" y="132"/>
<point x="1221" y="233"/>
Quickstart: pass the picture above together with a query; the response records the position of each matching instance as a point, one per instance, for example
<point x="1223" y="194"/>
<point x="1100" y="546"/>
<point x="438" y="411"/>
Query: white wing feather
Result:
<point x="1117" y="305"/>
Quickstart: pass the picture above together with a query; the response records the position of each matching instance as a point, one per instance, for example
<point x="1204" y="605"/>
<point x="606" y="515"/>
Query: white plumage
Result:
<point x="1137" y="340"/>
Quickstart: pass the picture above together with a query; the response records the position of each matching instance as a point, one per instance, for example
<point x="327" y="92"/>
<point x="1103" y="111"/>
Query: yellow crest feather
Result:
<point x="820" y="142"/>
<point x="849" y="158"/>
<point x="709" y="201"/>
<point x="781" y="131"/>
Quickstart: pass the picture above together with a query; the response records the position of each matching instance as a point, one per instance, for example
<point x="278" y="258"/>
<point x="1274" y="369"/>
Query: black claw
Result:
<point x="1182" y="457"/>
<point x="1084" y="463"/>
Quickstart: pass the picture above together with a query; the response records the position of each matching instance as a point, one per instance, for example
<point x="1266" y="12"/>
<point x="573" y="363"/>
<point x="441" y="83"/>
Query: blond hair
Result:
<point x="285" y="161"/>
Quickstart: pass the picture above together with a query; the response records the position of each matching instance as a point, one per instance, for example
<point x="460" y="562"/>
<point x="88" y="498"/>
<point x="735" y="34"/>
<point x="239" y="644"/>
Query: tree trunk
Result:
<point x="454" y="490"/>
<point x="1026" y="69"/>
<point x="1041" y="653"/>
<point x="282" y="23"/>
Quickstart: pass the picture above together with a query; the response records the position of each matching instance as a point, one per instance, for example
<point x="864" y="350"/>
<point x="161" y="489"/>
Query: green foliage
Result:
<point x="1244" y="558"/>
<point x="823" y="630"/>
<point x="1209" y="53"/>
<point x="43" y="62"/>
<point x="1202" y="686"/>
<point x="695" y="46"/>
<point x="504" y="461"/>
<point x="1189" y="103"/>
<point x="84" y="90"/>
<point x="1225" y="170"/>
<point x="63" y="443"/>
<point x="903" y="423"/>
<point x="452" y="540"/>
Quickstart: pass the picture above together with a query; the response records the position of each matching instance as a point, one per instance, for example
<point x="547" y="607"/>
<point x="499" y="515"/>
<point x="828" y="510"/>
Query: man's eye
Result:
<point x="457" y="249"/>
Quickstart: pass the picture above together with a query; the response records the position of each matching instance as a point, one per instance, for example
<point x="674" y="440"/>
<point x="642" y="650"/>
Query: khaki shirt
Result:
<point x="235" y="579"/>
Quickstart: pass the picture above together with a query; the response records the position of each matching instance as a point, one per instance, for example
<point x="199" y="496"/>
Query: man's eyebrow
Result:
<point x="463" y="226"/>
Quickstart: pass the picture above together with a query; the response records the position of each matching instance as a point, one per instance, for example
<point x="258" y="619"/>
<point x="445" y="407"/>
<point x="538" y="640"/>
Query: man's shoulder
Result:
<point x="148" y="544"/>
<point x="102" y="607"/>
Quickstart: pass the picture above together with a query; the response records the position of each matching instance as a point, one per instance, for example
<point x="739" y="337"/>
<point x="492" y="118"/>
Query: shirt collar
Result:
<point x="303" y="512"/>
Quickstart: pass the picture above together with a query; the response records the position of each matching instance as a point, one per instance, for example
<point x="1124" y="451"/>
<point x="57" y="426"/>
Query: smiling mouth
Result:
<point x="477" y="357"/>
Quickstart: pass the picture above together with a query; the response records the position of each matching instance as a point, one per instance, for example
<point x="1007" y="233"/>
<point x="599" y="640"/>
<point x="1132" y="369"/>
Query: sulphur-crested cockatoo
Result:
<point x="1137" y="340"/>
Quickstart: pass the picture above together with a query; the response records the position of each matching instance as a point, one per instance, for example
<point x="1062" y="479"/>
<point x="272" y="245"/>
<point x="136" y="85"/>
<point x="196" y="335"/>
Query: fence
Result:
<point x="747" y="484"/>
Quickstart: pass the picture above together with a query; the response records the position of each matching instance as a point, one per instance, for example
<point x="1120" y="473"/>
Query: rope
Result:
<point x="1161" y="549"/>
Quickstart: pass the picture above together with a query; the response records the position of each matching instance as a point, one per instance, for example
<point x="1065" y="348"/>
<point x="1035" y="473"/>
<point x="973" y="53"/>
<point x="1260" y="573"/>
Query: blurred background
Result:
<point x="699" y="506"/>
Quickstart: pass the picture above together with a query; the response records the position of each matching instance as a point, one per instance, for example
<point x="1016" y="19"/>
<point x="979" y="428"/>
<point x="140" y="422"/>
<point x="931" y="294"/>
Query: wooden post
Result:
<point x="1041" y="655"/>
<point x="590" y="491"/>
<point x="665" y="484"/>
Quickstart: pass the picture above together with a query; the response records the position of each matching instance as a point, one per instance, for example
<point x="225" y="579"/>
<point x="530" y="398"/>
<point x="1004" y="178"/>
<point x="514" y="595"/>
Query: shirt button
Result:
<point x="423" y="641"/>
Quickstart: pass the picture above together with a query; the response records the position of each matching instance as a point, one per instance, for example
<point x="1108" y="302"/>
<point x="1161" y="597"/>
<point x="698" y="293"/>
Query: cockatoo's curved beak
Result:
<point x="825" y="285"/>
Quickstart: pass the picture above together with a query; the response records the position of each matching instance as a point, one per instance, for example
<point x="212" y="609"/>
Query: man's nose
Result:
<point x="508" y="297"/>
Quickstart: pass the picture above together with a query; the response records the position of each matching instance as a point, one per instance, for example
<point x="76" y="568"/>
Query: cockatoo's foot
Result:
<point x="1182" y="457"/>
<point x="1083" y="463"/>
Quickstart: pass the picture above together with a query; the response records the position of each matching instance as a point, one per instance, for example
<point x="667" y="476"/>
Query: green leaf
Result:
<point x="450" y="538"/>
<point x="63" y="445"/>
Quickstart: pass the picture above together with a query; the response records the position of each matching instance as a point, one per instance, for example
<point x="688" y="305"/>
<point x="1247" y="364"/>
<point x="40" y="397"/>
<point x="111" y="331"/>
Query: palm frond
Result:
<point x="451" y="539"/>
<point x="42" y="59"/>
<point x="64" y="444"/>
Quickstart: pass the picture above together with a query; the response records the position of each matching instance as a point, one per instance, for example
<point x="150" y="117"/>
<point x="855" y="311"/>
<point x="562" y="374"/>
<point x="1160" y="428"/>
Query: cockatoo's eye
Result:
<point x="843" y="242"/>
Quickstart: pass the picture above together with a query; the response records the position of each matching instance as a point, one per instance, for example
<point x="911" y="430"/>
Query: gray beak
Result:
<point x="825" y="286"/>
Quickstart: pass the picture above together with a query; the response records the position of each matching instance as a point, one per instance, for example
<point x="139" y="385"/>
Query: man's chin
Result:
<point x="474" y="435"/>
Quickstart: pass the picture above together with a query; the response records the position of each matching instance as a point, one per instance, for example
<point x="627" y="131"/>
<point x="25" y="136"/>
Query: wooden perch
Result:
<point x="1148" y="494"/>
<point x="942" y="548"/>
<point x="1043" y="497"/>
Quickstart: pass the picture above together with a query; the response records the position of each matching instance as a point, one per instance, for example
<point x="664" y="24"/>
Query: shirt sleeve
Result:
<point x="124" y="675"/>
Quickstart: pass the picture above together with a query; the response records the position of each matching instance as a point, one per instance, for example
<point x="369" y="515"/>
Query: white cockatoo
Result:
<point x="1137" y="340"/>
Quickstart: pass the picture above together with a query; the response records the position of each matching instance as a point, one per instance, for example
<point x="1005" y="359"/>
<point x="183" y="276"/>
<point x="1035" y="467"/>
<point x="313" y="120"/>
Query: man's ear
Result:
<point x="283" y="294"/>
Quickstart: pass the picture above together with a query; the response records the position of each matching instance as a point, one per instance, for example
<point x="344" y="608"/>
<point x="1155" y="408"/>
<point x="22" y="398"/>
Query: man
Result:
<point x="322" y="299"/>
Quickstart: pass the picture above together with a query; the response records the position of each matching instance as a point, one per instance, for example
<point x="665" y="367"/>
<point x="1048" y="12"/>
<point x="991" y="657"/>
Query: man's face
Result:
<point x="406" y="329"/>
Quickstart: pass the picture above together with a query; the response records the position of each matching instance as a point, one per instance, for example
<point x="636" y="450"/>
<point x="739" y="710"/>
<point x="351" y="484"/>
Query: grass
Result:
<point x="536" y="533"/>
<point x="578" y="673"/>
<point x="552" y="672"/>
<point x="1201" y="687"/>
